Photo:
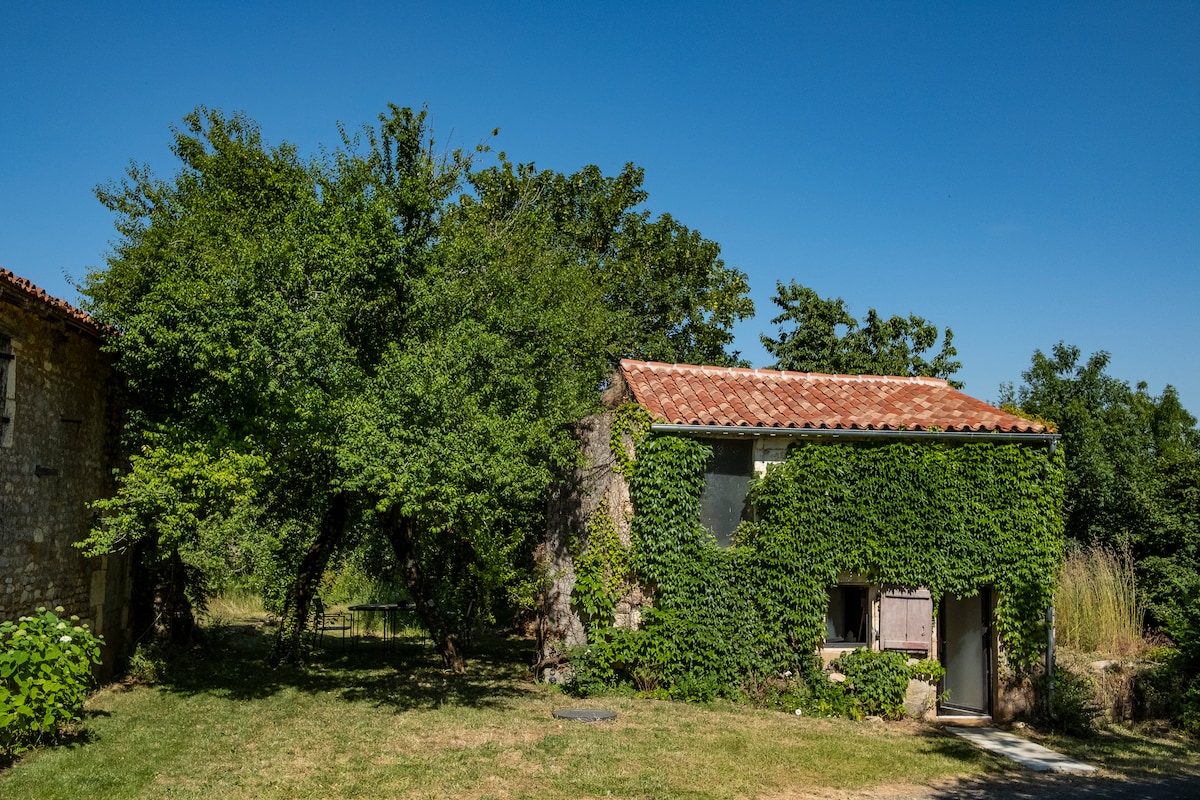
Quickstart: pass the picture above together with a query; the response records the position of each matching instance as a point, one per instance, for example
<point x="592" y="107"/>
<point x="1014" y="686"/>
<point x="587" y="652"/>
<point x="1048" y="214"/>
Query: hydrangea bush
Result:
<point x="45" y="673"/>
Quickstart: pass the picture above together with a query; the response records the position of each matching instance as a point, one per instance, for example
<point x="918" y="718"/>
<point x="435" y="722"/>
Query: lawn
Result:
<point x="371" y="721"/>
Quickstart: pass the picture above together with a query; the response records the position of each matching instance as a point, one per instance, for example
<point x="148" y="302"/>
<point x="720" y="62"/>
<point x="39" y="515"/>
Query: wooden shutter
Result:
<point x="905" y="620"/>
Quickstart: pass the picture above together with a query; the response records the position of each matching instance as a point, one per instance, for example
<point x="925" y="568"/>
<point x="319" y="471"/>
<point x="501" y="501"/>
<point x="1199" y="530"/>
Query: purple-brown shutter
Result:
<point x="906" y="620"/>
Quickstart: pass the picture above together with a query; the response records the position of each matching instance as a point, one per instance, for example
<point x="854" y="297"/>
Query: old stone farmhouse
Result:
<point x="59" y="429"/>
<point x="750" y="419"/>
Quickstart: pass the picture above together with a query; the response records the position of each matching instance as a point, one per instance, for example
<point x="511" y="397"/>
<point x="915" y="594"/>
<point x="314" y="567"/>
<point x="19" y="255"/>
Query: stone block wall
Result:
<point x="58" y="448"/>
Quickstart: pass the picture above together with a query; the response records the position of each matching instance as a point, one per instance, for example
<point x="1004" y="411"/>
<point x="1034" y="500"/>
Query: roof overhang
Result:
<point x="857" y="434"/>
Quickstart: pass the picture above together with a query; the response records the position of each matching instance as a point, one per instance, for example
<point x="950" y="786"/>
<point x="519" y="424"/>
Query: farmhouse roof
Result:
<point x="23" y="293"/>
<point x="728" y="397"/>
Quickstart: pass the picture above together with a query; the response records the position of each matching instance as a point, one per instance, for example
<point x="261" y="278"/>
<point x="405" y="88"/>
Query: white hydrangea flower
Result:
<point x="64" y="640"/>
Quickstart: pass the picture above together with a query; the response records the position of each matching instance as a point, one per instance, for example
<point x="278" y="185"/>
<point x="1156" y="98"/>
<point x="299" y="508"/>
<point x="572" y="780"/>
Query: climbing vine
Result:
<point x="633" y="421"/>
<point x="953" y="518"/>
<point x="601" y="570"/>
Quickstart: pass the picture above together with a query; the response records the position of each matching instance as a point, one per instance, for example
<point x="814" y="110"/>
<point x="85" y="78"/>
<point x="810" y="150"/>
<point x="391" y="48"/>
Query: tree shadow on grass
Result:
<point x="403" y="674"/>
<point x="1133" y="769"/>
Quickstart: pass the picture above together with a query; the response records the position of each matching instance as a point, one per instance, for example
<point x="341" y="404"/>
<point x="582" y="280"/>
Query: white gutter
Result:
<point x="855" y="433"/>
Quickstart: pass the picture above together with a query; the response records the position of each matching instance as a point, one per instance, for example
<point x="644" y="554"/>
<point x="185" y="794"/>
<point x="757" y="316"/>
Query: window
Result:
<point x="726" y="481"/>
<point x="848" y="617"/>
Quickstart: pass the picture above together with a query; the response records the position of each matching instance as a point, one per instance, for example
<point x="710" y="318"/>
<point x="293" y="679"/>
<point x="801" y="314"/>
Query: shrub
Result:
<point x="875" y="684"/>
<point x="1072" y="706"/>
<point x="148" y="664"/>
<point x="1172" y="688"/>
<point x="45" y="672"/>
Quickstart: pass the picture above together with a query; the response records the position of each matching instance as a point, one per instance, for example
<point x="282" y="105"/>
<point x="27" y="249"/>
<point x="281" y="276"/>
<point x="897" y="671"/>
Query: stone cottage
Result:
<point x="59" y="439"/>
<point x="749" y="419"/>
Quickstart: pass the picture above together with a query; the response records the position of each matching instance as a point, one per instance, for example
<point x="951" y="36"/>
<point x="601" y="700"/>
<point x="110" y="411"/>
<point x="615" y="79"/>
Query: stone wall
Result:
<point x="574" y="502"/>
<point x="57" y="452"/>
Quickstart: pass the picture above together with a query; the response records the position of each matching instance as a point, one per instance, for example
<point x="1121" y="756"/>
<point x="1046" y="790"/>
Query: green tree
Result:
<point x="822" y="336"/>
<point x="376" y="345"/>
<point x="675" y="298"/>
<point x="1133" y="470"/>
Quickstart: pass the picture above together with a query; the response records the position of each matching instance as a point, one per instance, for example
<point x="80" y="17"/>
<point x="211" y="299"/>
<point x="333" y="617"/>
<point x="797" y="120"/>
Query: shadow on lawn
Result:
<point x="1067" y="787"/>
<point x="1134" y="769"/>
<point x="405" y="674"/>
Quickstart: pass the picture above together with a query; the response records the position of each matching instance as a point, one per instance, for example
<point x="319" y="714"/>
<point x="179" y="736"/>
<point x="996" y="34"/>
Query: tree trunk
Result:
<point x="171" y="600"/>
<point x="298" y="603"/>
<point x="402" y="535"/>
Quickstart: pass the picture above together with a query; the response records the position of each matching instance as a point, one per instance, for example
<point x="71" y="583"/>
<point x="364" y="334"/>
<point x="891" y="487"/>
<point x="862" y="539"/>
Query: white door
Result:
<point x="965" y="654"/>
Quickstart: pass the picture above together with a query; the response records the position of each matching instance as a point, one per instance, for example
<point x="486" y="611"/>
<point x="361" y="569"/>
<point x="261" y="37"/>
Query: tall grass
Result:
<point x="1096" y="608"/>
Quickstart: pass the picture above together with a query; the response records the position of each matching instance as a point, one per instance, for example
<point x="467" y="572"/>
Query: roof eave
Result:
<point x="858" y="433"/>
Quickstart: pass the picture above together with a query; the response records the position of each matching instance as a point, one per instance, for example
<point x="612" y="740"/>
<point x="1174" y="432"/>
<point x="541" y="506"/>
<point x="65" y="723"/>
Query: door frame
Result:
<point x="985" y="631"/>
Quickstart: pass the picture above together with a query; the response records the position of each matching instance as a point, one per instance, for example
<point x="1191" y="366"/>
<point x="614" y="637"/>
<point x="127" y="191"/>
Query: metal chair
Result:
<point x="330" y="622"/>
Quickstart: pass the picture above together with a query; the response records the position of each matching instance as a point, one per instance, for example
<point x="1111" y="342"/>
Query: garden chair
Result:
<point x="337" y="622"/>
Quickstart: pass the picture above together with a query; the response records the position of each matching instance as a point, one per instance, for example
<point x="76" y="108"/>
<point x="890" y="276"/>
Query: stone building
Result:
<point x="749" y="418"/>
<point x="59" y="438"/>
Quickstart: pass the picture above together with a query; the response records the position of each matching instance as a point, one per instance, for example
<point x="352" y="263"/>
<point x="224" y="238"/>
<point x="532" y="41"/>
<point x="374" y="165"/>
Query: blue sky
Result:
<point x="1022" y="172"/>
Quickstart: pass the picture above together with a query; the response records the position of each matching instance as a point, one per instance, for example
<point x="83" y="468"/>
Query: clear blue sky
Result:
<point x="1025" y="173"/>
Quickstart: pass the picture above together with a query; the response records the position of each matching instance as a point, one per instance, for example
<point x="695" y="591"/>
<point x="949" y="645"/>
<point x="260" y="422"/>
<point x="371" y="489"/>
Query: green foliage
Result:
<point x="876" y="683"/>
<point x="601" y="570"/>
<point x="952" y="518"/>
<point x="1172" y="688"/>
<point x="1072" y="707"/>
<point x="826" y="338"/>
<point x="383" y="345"/>
<point x="673" y="297"/>
<point x="633" y="421"/>
<point x="45" y="672"/>
<point x="1133" y="471"/>
<point x="147" y="664"/>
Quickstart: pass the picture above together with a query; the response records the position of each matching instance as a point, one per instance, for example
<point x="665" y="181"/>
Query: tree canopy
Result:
<point x="1133" y="470"/>
<point x="383" y="344"/>
<point x="821" y="336"/>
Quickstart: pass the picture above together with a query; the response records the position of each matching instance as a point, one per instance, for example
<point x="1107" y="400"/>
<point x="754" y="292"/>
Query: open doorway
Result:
<point x="964" y="649"/>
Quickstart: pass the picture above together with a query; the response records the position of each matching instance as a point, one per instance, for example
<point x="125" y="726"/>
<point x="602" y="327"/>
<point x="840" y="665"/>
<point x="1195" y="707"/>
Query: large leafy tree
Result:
<point x="378" y="345"/>
<point x="819" y="335"/>
<point x="676" y="298"/>
<point x="1133" y="470"/>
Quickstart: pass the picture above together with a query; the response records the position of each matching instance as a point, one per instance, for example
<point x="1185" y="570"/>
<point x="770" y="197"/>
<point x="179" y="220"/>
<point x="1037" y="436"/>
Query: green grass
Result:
<point x="375" y="722"/>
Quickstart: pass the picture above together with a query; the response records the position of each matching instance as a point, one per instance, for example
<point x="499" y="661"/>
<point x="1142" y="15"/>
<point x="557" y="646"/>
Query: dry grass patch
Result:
<point x="1096" y="607"/>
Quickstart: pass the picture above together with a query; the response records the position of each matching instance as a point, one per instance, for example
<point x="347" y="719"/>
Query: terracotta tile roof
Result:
<point x="720" y="396"/>
<point x="16" y="288"/>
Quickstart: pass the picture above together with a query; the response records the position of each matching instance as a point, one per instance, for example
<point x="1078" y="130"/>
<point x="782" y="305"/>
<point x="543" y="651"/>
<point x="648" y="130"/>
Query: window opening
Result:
<point x="846" y="619"/>
<point x="726" y="483"/>
<point x="7" y="385"/>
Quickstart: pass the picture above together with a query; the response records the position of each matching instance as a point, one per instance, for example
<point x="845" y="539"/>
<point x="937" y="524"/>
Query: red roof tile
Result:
<point x="25" y="289"/>
<point x="683" y="394"/>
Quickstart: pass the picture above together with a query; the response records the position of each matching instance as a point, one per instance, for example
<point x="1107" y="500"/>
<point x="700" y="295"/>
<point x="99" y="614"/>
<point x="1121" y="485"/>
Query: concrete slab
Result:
<point x="1022" y="751"/>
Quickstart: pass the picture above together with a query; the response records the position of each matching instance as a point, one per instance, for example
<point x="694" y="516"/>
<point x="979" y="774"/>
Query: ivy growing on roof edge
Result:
<point x="953" y="518"/>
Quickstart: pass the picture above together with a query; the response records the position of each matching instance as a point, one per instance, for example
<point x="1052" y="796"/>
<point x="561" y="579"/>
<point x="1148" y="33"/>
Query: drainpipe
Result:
<point x="1050" y="662"/>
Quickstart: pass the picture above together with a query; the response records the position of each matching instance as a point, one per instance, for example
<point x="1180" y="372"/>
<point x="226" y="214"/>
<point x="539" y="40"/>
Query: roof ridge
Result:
<point x="655" y="366"/>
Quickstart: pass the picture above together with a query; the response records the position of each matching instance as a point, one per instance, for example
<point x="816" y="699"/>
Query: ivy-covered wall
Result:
<point x="951" y="517"/>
